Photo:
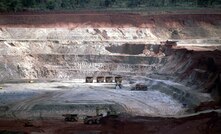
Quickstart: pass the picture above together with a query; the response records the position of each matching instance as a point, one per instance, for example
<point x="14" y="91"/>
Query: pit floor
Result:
<point x="22" y="100"/>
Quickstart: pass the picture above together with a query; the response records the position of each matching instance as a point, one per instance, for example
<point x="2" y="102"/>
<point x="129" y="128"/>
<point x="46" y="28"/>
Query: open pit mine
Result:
<point x="124" y="73"/>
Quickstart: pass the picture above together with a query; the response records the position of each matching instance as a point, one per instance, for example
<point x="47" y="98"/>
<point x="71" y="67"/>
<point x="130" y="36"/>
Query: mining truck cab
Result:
<point x="109" y="79"/>
<point x="89" y="79"/>
<point x="100" y="79"/>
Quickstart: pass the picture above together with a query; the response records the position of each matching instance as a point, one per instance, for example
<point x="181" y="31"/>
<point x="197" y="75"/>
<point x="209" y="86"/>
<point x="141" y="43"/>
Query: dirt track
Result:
<point x="82" y="99"/>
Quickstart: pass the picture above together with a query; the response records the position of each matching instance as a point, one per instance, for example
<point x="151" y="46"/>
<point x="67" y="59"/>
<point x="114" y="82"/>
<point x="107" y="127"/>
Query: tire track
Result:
<point x="132" y="99"/>
<point x="27" y="104"/>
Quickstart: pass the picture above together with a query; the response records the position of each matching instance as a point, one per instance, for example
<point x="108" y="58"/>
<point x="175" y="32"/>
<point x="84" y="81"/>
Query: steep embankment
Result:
<point x="110" y="26"/>
<point x="29" y="40"/>
<point x="200" y="70"/>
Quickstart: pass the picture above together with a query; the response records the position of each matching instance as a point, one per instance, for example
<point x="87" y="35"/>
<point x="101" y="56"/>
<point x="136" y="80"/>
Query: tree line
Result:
<point x="21" y="5"/>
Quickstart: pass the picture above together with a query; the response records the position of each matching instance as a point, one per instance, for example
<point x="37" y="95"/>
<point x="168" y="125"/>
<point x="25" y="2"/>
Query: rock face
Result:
<point x="109" y="26"/>
<point x="68" y="66"/>
<point x="70" y="45"/>
<point x="76" y="45"/>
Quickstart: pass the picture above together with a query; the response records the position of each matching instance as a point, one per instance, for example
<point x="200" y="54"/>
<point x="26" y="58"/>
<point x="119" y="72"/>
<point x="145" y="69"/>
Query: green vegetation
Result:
<point x="22" y="5"/>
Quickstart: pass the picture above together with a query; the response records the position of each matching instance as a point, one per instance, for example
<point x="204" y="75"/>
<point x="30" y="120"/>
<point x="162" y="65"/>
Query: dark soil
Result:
<point x="208" y="123"/>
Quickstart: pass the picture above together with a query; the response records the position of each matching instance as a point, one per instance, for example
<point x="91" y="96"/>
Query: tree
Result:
<point x="173" y="2"/>
<point x="83" y="3"/>
<point x="58" y="4"/>
<point x="50" y="4"/>
<point x="107" y="3"/>
<point x="214" y="2"/>
<point x="65" y="4"/>
<point x="3" y="6"/>
<point x="203" y="3"/>
<point x="165" y="2"/>
<point x="133" y="3"/>
<point x="28" y="3"/>
<point x="15" y="5"/>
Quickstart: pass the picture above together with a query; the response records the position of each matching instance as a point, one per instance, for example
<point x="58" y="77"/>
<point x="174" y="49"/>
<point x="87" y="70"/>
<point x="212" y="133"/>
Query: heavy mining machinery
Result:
<point x="99" y="116"/>
<point x="108" y="79"/>
<point x="70" y="117"/>
<point x="140" y="87"/>
<point x="118" y="81"/>
<point x="92" y="119"/>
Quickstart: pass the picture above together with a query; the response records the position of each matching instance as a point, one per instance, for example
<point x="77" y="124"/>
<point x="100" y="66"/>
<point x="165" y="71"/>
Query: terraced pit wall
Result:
<point x="72" y="66"/>
<point x="75" y="45"/>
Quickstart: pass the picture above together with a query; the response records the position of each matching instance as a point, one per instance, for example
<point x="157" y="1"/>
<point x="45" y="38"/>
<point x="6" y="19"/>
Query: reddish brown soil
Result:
<point x="201" y="124"/>
<point x="105" y="19"/>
